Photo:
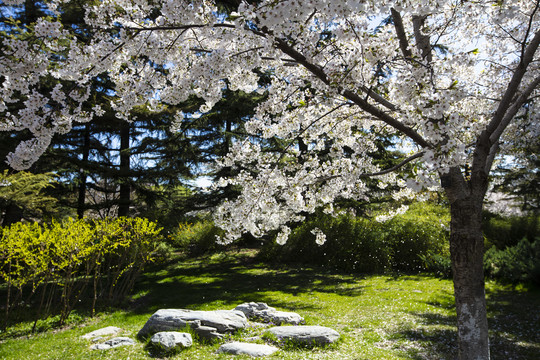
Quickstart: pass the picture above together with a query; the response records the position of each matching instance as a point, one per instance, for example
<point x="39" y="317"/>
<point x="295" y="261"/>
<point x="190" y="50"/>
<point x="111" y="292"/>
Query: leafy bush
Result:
<point x="519" y="263"/>
<point x="503" y="232"/>
<point x="420" y="231"/>
<point x="60" y="261"/>
<point x="437" y="264"/>
<point x="352" y="244"/>
<point x="25" y="192"/>
<point x="365" y="245"/>
<point x="196" y="238"/>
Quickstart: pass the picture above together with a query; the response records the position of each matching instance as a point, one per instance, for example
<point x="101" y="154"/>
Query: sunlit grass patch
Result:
<point x="378" y="317"/>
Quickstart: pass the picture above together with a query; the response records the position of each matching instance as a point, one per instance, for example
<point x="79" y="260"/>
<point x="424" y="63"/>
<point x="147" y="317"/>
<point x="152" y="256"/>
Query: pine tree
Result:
<point x="23" y="196"/>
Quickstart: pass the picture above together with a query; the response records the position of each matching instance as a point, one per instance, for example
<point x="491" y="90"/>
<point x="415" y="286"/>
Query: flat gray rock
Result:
<point x="282" y="317"/>
<point x="171" y="340"/>
<point x="240" y="348"/>
<point x="220" y="321"/>
<point x="109" y="330"/>
<point x="112" y="343"/>
<point x="268" y="314"/>
<point x="308" y="335"/>
<point x="208" y="333"/>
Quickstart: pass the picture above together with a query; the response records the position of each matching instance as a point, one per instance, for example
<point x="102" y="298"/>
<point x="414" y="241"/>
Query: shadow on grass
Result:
<point x="215" y="281"/>
<point x="230" y="283"/>
<point x="514" y="322"/>
<point x="514" y="328"/>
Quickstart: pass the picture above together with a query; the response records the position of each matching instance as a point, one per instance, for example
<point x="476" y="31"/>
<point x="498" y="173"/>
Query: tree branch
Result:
<point x="400" y="32"/>
<point x="491" y="157"/>
<point x="379" y="173"/>
<point x="319" y="72"/>
<point x="378" y="98"/>
<point x="355" y="98"/>
<point x="529" y="27"/>
<point x="180" y="27"/>
<point x="422" y="40"/>
<point x="513" y="109"/>
<point x="512" y="89"/>
<point x="395" y="167"/>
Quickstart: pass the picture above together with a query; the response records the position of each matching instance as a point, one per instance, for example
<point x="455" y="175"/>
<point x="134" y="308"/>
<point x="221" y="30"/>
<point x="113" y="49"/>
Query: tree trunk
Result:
<point x="12" y="215"/>
<point x="125" y="189"/>
<point x="82" y="173"/>
<point x="467" y="254"/>
<point x="30" y="12"/>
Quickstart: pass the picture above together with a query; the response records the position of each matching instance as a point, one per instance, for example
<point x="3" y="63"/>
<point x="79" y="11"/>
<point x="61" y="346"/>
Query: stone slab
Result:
<point x="109" y="330"/>
<point x="113" y="343"/>
<point x="170" y="340"/>
<point x="240" y="348"/>
<point x="307" y="335"/>
<point x="261" y="311"/>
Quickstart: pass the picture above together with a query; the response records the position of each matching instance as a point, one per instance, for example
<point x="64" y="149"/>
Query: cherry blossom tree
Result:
<point x="454" y="80"/>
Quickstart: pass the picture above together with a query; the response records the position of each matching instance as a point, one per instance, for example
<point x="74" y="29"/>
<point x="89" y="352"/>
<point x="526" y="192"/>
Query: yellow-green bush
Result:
<point x="61" y="261"/>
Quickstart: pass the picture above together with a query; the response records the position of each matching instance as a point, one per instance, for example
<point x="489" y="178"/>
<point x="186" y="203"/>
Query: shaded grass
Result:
<point x="379" y="317"/>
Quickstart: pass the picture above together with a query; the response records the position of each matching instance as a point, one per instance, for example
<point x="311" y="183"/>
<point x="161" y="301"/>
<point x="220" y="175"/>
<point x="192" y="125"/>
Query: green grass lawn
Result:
<point x="378" y="317"/>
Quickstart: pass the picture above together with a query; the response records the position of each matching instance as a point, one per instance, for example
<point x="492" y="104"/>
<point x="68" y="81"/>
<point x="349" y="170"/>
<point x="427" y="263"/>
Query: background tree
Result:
<point x="520" y="180"/>
<point x="109" y="166"/>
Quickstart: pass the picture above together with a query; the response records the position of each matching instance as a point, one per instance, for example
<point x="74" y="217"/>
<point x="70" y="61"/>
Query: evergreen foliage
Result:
<point x="23" y="195"/>
<point x="502" y="232"/>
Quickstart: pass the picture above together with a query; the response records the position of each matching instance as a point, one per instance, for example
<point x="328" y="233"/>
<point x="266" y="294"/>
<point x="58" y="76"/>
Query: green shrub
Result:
<point x="420" y="231"/>
<point x="59" y="262"/>
<point x="126" y="245"/>
<point x="352" y="245"/>
<point x="196" y="238"/>
<point x="437" y="264"/>
<point x="365" y="245"/>
<point x="519" y="263"/>
<point x="503" y="232"/>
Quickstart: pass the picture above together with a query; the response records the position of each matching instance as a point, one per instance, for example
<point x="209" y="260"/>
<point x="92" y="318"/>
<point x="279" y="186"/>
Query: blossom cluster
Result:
<point x="338" y="76"/>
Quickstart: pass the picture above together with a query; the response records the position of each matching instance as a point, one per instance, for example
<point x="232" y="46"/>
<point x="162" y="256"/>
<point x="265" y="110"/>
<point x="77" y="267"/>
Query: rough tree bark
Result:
<point x="12" y="215"/>
<point x="467" y="253"/>
<point x="467" y="250"/>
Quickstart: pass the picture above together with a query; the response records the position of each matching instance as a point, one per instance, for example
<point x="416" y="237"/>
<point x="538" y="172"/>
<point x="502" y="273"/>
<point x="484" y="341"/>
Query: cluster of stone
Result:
<point x="262" y="312"/>
<point x="113" y="343"/>
<point x="206" y="324"/>
<point x="251" y="349"/>
<point x="101" y="333"/>
<point x="305" y="335"/>
<point x="162" y="329"/>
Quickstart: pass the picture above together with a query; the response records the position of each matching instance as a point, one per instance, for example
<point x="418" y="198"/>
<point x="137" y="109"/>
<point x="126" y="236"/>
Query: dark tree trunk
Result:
<point x="228" y="135"/>
<point x="467" y="253"/>
<point x="125" y="189"/>
<point x="30" y="12"/>
<point x="12" y="215"/>
<point x="82" y="173"/>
